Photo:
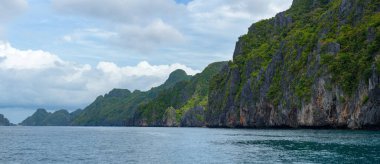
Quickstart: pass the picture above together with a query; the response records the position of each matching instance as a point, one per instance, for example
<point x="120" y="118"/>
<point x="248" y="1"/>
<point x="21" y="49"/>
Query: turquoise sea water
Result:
<point x="185" y="145"/>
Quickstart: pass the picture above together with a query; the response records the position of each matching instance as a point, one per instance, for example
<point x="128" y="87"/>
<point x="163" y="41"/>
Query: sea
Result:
<point x="20" y="144"/>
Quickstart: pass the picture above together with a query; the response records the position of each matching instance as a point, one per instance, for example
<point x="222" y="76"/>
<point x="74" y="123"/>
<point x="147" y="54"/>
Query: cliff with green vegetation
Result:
<point x="4" y="121"/>
<point x="181" y="105"/>
<point x="314" y="65"/>
<point x="43" y="118"/>
<point x="180" y="101"/>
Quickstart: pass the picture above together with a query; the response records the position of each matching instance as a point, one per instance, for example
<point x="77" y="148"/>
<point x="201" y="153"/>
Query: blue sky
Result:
<point x="64" y="53"/>
<point x="183" y="1"/>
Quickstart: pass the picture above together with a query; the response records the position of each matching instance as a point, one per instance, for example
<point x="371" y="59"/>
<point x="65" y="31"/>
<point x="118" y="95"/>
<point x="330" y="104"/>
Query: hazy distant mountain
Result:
<point x="4" y="121"/>
<point x="43" y="118"/>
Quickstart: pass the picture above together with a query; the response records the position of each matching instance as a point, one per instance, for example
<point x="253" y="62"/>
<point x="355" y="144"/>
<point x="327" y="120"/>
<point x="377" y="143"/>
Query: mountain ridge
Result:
<point x="121" y="107"/>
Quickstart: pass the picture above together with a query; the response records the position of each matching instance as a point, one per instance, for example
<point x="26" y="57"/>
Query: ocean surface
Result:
<point x="185" y="145"/>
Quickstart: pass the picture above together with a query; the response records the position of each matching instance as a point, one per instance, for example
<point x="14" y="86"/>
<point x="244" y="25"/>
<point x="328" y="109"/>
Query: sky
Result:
<point x="62" y="54"/>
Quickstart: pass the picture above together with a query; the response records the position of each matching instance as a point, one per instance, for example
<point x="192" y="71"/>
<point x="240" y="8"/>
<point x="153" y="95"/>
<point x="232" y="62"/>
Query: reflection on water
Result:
<point x="185" y="145"/>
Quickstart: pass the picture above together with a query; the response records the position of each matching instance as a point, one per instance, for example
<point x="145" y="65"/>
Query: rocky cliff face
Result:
<point x="169" y="118"/>
<point x="194" y="117"/>
<point x="315" y="65"/>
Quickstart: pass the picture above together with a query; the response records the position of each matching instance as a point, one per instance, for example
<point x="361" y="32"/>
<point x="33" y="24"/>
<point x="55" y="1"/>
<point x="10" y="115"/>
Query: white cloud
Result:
<point x="142" y="69"/>
<point x="67" y="38"/>
<point x="217" y="16"/>
<point x="12" y="58"/>
<point x="41" y="79"/>
<point x="145" y="25"/>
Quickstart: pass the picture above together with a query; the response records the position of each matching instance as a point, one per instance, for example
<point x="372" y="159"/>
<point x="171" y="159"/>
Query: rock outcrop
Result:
<point x="194" y="117"/>
<point x="169" y="119"/>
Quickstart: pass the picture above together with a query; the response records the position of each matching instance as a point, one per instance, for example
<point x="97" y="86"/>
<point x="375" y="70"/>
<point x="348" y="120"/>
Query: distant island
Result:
<point x="315" y="65"/>
<point x="43" y="118"/>
<point x="4" y="121"/>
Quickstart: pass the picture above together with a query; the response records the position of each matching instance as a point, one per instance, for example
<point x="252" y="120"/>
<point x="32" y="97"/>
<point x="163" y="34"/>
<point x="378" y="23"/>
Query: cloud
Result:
<point x="16" y="59"/>
<point x="142" y="69"/>
<point x="144" y="25"/>
<point x="216" y="16"/>
<point x="137" y="24"/>
<point x="130" y="36"/>
<point x="11" y="8"/>
<point x="130" y="11"/>
<point x="153" y="35"/>
<point x="40" y="79"/>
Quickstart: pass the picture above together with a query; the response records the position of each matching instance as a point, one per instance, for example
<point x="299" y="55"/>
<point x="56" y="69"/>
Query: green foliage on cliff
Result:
<point x="338" y="37"/>
<point x="356" y="57"/>
<point x="182" y="96"/>
<point x="111" y="109"/>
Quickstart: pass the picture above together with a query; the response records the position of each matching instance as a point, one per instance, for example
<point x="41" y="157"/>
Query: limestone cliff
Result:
<point x="314" y="65"/>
